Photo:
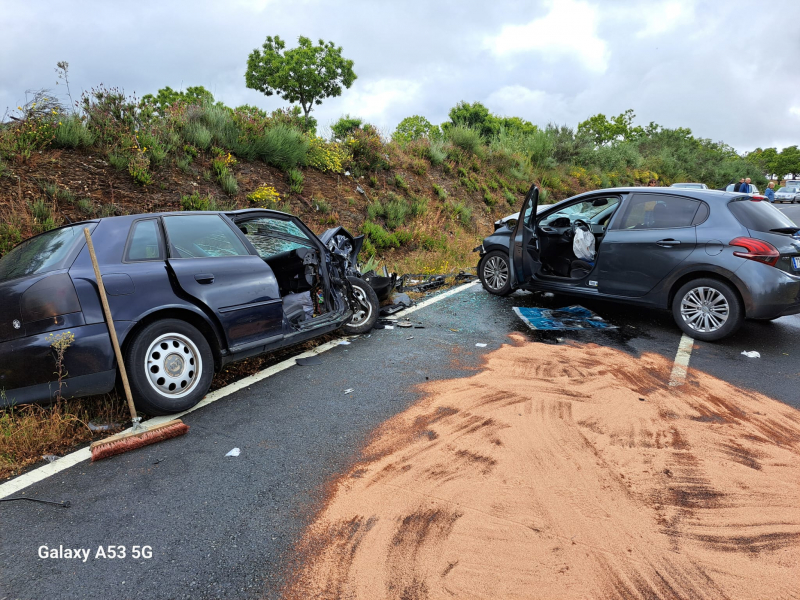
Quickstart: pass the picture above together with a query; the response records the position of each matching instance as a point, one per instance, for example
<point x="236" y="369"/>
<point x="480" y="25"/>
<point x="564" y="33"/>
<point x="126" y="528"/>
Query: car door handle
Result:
<point x="668" y="243"/>
<point x="204" y="278"/>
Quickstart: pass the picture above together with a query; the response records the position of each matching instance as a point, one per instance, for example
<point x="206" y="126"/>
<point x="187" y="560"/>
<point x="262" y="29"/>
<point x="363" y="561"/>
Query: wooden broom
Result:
<point x="139" y="435"/>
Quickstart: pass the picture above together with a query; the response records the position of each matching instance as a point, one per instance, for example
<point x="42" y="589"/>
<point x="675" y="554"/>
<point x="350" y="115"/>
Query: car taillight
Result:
<point x="757" y="198"/>
<point x="757" y="250"/>
<point x="49" y="297"/>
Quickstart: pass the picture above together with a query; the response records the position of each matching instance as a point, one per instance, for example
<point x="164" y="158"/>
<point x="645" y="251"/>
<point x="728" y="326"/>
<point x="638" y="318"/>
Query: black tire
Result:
<point x="494" y="271"/>
<point x="718" y="298"/>
<point x="369" y="308"/>
<point x="169" y="353"/>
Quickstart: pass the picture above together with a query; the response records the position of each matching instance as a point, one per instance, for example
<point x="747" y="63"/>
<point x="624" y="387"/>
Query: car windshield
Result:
<point x="582" y="210"/>
<point x="47" y="252"/>
<point x="760" y="216"/>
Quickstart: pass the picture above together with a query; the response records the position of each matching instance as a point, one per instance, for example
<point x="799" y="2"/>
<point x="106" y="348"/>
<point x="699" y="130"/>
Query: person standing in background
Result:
<point x="746" y="187"/>
<point x="738" y="186"/>
<point x="770" y="192"/>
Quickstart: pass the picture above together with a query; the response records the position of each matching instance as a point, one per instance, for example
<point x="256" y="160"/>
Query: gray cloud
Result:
<point x="721" y="69"/>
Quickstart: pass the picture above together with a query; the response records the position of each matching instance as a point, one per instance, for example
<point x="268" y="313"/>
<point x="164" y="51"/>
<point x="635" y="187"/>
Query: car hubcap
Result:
<point x="173" y="365"/>
<point x="704" y="309"/>
<point x="495" y="272"/>
<point x="364" y="311"/>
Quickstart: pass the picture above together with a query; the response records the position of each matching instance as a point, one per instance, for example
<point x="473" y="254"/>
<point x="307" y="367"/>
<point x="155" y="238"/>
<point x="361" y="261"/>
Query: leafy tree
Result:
<point x="603" y="130"/>
<point x="414" y="128"/>
<point x="167" y="97"/>
<point x="345" y="126"/>
<point x="477" y="116"/>
<point x="788" y="162"/>
<point x="306" y="74"/>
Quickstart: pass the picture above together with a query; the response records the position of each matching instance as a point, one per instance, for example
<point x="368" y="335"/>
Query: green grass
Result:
<point x="183" y="163"/>
<point x="321" y="205"/>
<point x="118" y="161"/>
<point x="10" y="235"/>
<point x="229" y="184"/>
<point x="85" y="207"/>
<point x="460" y="212"/>
<point x="296" y="179"/>
<point x="197" y="202"/>
<point x="440" y="192"/>
<point x="375" y="210"/>
<point x="510" y="197"/>
<point x="73" y="133"/>
<point x="41" y="210"/>
<point x="379" y="237"/>
<point x="197" y="135"/>
<point x="400" y="183"/>
<point x="419" y="207"/>
<point x="397" y="211"/>
<point x="467" y="139"/>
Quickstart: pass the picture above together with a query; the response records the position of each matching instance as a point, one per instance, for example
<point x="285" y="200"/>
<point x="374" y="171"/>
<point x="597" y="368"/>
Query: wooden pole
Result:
<point x="111" y="330"/>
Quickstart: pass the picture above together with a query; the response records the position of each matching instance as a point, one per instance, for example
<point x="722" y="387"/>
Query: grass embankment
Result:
<point x="423" y="199"/>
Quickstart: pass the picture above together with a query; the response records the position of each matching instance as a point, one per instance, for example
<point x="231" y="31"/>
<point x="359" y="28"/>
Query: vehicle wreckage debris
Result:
<point x="308" y="361"/>
<point x="752" y="354"/>
<point x="62" y="504"/>
<point x="348" y="391"/>
<point x="562" y="319"/>
<point x="234" y="452"/>
<point x="479" y="345"/>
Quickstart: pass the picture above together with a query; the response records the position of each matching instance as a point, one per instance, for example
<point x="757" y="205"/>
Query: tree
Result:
<point x="345" y="126"/>
<point x="167" y="97"/>
<point x="306" y="74"/>
<point x="414" y="128"/>
<point x="620" y="128"/>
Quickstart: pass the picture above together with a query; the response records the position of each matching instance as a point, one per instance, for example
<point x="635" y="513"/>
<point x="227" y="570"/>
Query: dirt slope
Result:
<point x="567" y="472"/>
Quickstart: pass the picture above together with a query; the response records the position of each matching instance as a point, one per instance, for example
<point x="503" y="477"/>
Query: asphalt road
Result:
<point x="222" y="527"/>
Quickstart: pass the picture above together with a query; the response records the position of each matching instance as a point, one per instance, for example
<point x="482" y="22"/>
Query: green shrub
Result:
<point x="447" y="168"/>
<point x="460" y="212"/>
<point x="367" y="249"/>
<point x="229" y="184"/>
<point x="73" y="133"/>
<point x="375" y="210"/>
<point x="403" y="237"/>
<point x="397" y="210"/>
<point x="286" y="207"/>
<point x="118" y="161"/>
<point x="440" y="191"/>
<point x="488" y="199"/>
<point x="183" y="163"/>
<point x="321" y="205"/>
<point x="139" y="168"/>
<point x="466" y="138"/>
<point x="419" y="167"/>
<point x="414" y="128"/>
<point x="419" y="206"/>
<point x="41" y="210"/>
<point x="437" y="152"/>
<point x="400" y="182"/>
<point x="380" y="238"/>
<point x="431" y="243"/>
<point x="109" y="210"/>
<point x="345" y="126"/>
<point x="373" y="181"/>
<point x="510" y="197"/>
<point x="10" y="235"/>
<point x="85" y="207"/>
<point x="296" y="181"/>
<point x="282" y="147"/>
<point x="197" y="135"/>
<point x="198" y="202"/>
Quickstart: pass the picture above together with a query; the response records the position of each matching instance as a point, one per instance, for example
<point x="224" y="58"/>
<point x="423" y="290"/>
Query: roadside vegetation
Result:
<point x="424" y="197"/>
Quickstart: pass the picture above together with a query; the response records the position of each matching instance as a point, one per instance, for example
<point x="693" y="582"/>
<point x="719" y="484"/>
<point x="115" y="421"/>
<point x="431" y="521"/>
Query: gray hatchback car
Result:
<point x="713" y="258"/>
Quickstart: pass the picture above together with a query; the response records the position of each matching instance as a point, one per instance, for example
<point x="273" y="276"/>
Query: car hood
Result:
<point x="340" y="241"/>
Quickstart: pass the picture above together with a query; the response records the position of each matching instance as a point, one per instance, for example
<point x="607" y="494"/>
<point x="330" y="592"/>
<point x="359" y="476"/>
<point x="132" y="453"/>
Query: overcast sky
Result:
<point x="726" y="69"/>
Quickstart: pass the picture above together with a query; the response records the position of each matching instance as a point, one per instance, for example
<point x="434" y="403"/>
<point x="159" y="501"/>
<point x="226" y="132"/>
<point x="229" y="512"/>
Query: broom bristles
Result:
<point x="132" y="441"/>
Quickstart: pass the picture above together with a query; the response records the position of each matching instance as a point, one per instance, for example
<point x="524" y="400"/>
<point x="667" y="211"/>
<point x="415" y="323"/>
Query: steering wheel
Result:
<point x="579" y="223"/>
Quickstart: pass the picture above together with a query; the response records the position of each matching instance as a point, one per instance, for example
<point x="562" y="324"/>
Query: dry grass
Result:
<point x="31" y="431"/>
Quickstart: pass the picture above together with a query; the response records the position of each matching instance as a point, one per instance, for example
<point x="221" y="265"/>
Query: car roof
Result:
<point x="708" y="195"/>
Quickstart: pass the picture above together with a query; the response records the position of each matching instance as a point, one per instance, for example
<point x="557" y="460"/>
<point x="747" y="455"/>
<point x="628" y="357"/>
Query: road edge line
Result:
<point x="681" y="366"/>
<point x="73" y="458"/>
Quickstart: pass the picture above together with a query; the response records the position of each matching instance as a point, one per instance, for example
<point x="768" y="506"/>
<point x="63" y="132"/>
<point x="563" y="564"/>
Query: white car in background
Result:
<point x="690" y="186"/>
<point x="787" y="194"/>
<point x="753" y="189"/>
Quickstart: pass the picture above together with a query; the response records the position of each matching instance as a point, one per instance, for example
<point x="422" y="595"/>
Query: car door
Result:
<point x="524" y="250"/>
<point x="213" y="265"/>
<point x="651" y="235"/>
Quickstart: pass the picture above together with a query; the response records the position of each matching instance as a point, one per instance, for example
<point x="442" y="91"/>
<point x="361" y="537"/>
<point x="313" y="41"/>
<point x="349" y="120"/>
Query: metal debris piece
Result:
<point x="308" y="361"/>
<point x="234" y="452"/>
<point x="348" y="391"/>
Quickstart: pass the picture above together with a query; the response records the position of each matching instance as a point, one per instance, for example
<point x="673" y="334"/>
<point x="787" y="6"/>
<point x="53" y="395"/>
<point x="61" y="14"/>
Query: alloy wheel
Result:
<point x="173" y="365"/>
<point x="704" y="309"/>
<point x="364" y="311"/>
<point x="495" y="272"/>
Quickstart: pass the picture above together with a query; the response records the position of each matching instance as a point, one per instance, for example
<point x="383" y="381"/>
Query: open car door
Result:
<point x="524" y="249"/>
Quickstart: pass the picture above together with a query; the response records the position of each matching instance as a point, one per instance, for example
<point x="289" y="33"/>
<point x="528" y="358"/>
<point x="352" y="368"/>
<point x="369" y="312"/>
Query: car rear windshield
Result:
<point x="759" y="215"/>
<point x="49" y="251"/>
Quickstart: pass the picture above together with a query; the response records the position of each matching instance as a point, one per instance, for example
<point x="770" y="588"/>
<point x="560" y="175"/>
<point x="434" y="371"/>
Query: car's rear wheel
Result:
<point x="170" y="367"/>
<point x="494" y="271"/>
<point x="367" y="310"/>
<point x="707" y="309"/>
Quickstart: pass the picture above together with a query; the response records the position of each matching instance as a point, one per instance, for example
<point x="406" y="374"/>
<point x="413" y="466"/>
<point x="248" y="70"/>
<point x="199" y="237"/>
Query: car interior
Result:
<point x="556" y="235"/>
<point x="295" y="262"/>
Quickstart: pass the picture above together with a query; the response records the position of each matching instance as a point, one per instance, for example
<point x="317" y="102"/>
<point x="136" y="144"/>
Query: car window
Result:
<point x="144" y="242"/>
<point x="47" y="252"/>
<point x="202" y="236"/>
<point x="272" y="236"/>
<point x="651" y="211"/>
<point x="585" y="210"/>
<point x="759" y="216"/>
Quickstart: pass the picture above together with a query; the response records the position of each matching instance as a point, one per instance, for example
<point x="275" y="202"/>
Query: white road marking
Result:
<point x="678" y="376"/>
<point x="65" y="462"/>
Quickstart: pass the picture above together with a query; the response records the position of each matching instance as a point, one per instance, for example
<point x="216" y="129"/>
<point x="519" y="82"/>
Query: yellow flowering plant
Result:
<point x="264" y="196"/>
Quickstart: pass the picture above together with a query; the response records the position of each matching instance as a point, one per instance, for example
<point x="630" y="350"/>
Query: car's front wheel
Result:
<point x="707" y="309"/>
<point x="494" y="271"/>
<point x="170" y="367"/>
<point x="367" y="310"/>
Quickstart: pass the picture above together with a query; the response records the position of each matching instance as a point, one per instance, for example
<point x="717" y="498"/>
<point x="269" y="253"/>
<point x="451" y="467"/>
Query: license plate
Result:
<point x="796" y="263"/>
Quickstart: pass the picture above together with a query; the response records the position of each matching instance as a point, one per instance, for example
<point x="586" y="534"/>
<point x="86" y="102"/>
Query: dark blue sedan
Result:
<point x="189" y="292"/>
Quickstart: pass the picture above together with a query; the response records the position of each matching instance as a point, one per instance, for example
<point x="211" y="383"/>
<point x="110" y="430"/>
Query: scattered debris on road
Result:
<point x="308" y="361"/>
<point x="479" y="345"/>
<point x="562" y="319"/>
<point x="348" y="391"/>
<point x="752" y="354"/>
<point x="234" y="452"/>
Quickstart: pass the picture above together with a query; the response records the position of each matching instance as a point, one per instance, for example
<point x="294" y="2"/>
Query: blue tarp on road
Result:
<point x="569" y="318"/>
